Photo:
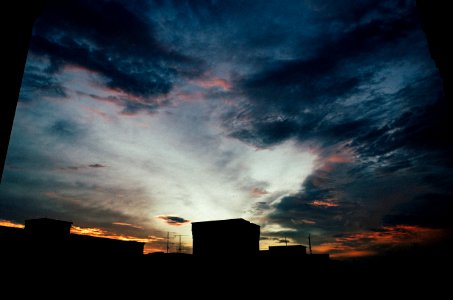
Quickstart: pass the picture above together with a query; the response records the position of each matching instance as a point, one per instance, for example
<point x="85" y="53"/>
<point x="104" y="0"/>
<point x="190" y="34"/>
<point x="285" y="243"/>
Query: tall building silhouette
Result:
<point x="16" y="37"/>
<point x="226" y="238"/>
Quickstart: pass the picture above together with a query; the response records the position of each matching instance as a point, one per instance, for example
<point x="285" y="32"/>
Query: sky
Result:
<point x="136" y="118"/>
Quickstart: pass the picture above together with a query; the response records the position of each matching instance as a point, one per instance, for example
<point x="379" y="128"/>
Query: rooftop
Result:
<point x="229" y="221"/>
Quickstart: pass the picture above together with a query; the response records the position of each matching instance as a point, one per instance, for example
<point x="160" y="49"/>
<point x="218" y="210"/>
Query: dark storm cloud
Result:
<point x="294" y="98"/>
<point x="421" y="127"/>
<point x="173" y="220"/>
<point x="113" y="40"/>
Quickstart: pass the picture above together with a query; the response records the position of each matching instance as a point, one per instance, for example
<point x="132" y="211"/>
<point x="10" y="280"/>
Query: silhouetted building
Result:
<point x="48" y="228"/>
<point x="53" y="239"/>
<point x="228" y="238"/>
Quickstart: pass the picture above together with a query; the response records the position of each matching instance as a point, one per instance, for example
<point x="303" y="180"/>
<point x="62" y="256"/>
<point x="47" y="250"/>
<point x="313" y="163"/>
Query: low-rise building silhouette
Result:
<point x="226" y="238"/>
<point x="52" y="238"/>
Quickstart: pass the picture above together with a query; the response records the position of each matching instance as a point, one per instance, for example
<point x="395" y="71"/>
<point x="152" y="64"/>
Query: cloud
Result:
<point x="69" y="197"/>
<point x="67" y="129"/>
<point x="36" y="81"/>
<point x="99" y="232"/>
<point x="343" y="96"/>
<point x="384" y="240"/>
<point x="213" y="82"/>
<point x="173" y="220"/>
<point x="114" y="41"/>
<point x="360" y="102"/>
<point x="81" y="167"/>
<point x="304" y="98"/>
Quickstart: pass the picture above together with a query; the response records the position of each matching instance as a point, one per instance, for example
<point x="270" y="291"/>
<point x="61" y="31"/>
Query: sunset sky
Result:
<point x="136" y="118"/>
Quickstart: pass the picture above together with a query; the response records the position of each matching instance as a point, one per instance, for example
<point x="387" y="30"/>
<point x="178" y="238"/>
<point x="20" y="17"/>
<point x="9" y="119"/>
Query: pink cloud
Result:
<point x="258" y="192"/>
<point x="213" y="82"/>
<point x="190" y="96"/>
<point x="97" y="112"/>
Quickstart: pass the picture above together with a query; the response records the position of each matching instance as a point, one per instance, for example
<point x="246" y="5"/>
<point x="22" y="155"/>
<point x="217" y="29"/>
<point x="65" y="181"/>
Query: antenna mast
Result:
<point x="168" y="240"/>
<point x="179" y="249"/>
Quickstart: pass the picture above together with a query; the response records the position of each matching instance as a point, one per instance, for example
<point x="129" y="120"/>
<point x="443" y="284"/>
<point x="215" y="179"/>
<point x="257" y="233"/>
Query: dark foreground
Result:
<point x="183" y="275"/>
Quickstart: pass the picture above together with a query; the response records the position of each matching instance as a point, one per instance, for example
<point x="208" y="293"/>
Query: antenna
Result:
<point x="179" y="249"/>
<point x="168" y="239"/>
<point x="309" y="243"/>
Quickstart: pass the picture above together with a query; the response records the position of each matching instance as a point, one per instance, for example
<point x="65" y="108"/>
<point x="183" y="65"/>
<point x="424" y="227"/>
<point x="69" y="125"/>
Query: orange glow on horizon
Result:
<point x="7" y="223"/>
<point x="98" y="232"/>
<point x="362" y="243"/>
<point x="150" y="249"/>
<point x="102" y="233"/>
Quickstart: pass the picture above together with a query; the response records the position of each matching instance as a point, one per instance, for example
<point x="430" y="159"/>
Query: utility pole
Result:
<point x="309" y="243"/>
<point x="286" y="242"/>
